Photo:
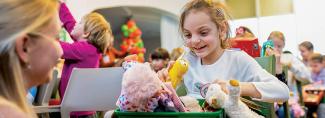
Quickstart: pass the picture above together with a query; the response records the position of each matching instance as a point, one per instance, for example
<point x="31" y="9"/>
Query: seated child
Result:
<point x="159" y="59"/>
<point x="317" y="69"/>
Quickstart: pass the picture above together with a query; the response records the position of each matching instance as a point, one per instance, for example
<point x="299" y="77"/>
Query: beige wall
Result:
<point x="276" y="7"/>
<point x="82" y="7"/>
<point x="242" y="8"/>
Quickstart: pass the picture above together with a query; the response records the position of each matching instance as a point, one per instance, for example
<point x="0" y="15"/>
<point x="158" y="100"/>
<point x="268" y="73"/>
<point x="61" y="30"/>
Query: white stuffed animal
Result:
<point x="234" y="108"/>
<point x="191" y="104"/>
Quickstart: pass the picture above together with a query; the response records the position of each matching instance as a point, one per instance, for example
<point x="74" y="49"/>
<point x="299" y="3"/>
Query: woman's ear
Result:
<point x="21" y="48"/>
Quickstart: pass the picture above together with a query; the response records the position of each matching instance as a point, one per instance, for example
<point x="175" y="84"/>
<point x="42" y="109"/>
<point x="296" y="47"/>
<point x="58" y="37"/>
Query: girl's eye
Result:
<point x="204" y="33"/>
<point x="187" y="35"/>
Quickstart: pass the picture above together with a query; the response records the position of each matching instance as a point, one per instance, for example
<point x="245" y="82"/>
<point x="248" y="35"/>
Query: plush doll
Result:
<point x="191" y="104"/>
<point x="232" y="104"/>
<point x="298" y="111"/>
<point x="267" y="45"/>
<point x="176" y="100"/>
<point x="143" y="91"/>
<point x="111" y="57"/>
<point x="177" y="71"/>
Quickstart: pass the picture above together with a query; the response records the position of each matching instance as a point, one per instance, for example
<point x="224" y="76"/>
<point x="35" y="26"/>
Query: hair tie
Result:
<point x="209" y="2"/>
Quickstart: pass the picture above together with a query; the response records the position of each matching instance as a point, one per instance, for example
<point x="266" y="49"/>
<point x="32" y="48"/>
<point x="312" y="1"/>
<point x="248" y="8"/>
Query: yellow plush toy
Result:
<point x="177" y="71"/>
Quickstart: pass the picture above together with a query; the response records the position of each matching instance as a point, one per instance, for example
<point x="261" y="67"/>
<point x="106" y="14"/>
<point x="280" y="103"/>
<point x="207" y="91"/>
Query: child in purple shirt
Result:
<point x="91" y="36"/>
<point x="318" y="71"/>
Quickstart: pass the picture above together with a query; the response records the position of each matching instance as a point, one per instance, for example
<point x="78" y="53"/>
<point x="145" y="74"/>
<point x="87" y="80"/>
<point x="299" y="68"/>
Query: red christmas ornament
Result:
<point x="138" y="32"/>
<point x="130" y="23"/>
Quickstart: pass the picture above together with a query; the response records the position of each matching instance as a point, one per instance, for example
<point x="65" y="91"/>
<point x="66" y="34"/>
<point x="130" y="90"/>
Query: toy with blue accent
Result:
<point x="268" y="44"/>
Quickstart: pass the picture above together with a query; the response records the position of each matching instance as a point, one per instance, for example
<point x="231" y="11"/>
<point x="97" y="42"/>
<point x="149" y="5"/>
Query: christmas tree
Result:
<point x="132" y="42"/>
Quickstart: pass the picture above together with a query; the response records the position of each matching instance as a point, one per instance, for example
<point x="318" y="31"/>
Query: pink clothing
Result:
<point x="80" y="54"/>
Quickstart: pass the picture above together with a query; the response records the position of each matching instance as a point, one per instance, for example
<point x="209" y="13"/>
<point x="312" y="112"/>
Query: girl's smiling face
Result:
<point x="201" y="34"/>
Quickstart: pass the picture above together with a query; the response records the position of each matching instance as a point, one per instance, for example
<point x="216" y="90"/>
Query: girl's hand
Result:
<point x="163" y="73"/>
<point x="274" y="52"/>
<point x="223" y="85"/>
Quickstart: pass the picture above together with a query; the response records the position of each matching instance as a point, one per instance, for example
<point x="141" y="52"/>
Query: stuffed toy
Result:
<point x="191" y="104"/>
<point x="298" y="111"/>
<point x="111" y="57"/>
<point x="177" y="71"/>
<point x="232" y="104"/>
<point x="267" y="45"/>
<point x="143" y="91"/>
<point x="176" y="100"/>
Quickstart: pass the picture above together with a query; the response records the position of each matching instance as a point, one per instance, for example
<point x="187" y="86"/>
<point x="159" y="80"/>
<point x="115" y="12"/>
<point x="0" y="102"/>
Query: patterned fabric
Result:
<point x="160" y="102"/>
<point x="128" y="64"/>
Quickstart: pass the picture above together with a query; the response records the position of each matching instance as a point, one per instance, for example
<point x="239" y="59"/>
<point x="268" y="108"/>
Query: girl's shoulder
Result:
<point x="234" y="52"/>
<point x="238" y="56"/>
<point x="10" y="110"/>
<point x="229" y="55"/>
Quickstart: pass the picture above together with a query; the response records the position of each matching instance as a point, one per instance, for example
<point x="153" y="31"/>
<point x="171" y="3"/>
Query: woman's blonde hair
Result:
<point x="218" y="14"/>
<point x="17" y="18"/>
<point x="100" y="33"/>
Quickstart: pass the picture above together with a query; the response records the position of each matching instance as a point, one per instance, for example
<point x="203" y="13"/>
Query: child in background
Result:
<point x="176" y="53"/>
<point x="204" y="25"/>
<point x="317" y="69"/>
<point x="296" y="68"/>
<point x="91" y="36"/>
<point x="318" y="76"/>
<point x="243" y="32"/>
<point x="159" y="59"/>
<point x="306" y="48"/>
<point x="279" y="42"/>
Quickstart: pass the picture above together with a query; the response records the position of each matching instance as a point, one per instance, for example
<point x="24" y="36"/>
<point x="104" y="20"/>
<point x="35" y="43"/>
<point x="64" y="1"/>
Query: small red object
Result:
<point x="251" y="47"/>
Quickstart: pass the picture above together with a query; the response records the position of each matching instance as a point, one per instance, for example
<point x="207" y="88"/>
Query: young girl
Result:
<point x="205" y="27"/>
<point x="306" y="49"/>
<point x="92" y="35"/>
<point x="296" y="68"/>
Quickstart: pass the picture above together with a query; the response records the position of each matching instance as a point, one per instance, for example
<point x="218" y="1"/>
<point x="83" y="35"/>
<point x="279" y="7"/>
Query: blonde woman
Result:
<point x="28" y="51"/>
